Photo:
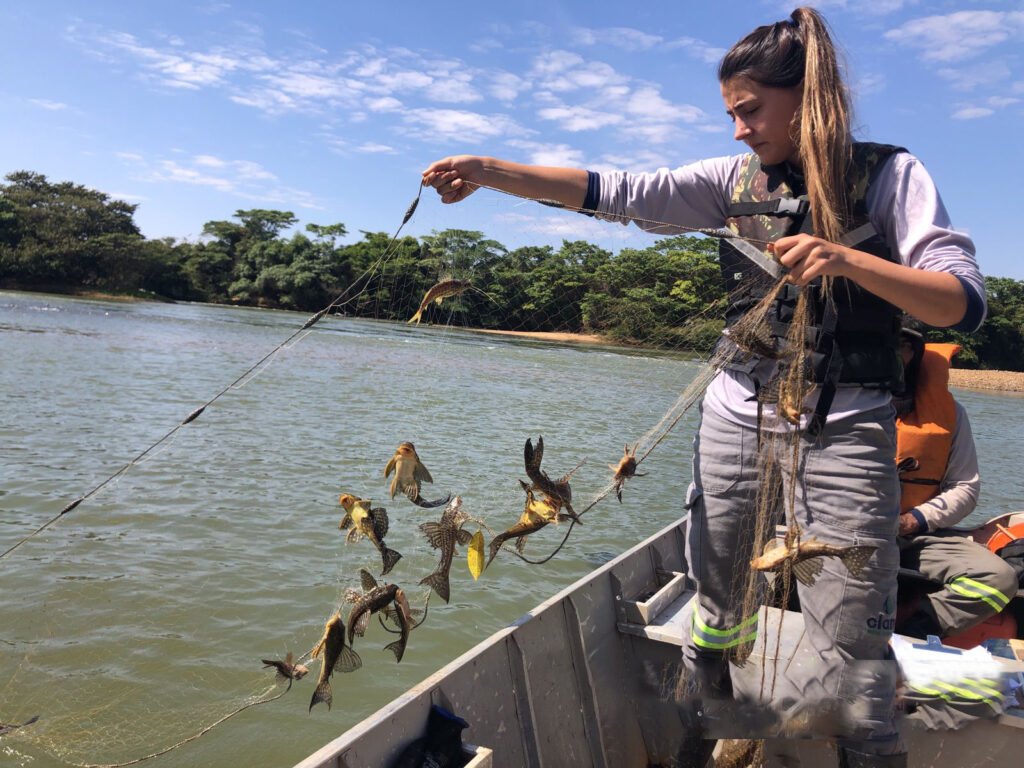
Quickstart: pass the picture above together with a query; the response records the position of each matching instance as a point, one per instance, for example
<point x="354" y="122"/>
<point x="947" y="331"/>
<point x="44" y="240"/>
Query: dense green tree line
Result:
<point x="66" y="237"/>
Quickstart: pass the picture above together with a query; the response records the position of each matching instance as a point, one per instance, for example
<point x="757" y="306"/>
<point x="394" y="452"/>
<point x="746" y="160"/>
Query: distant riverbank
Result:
<point x="1004" y="381"/>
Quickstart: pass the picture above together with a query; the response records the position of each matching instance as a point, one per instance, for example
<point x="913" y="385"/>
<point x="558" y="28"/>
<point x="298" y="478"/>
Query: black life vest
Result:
<point x="854" y="337"/>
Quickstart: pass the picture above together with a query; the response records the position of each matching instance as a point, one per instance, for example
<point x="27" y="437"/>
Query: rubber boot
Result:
<point x="849" y="758"/>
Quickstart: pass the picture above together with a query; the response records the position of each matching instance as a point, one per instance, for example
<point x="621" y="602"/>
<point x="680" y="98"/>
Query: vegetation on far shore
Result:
<point x="64" y="237"/>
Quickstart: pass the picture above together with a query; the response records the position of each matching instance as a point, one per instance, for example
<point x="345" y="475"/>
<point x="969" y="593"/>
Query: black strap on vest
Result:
<point x="780" y="206"/>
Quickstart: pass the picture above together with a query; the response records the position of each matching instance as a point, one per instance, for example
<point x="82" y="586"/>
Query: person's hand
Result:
<point x="807" y="257"/>
<point x="455" y="178"/>
<point x="908" y="525"/>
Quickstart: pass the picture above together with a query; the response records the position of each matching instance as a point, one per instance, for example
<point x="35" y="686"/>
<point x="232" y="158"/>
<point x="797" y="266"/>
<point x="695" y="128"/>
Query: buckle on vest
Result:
<point x="792" y="206"/>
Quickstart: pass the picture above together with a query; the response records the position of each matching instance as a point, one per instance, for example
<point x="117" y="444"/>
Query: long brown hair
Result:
<point x="788" y="54"/>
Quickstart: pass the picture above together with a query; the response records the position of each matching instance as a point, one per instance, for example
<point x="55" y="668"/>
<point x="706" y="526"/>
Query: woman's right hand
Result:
<point x="455" y="178"/>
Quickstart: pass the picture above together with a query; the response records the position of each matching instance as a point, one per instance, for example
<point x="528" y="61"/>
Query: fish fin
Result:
<point x="772" y="543"/>
<point x="520" y="544"/>
<point x="366" y="579"/>
<point x="421" y="474"/>
<point x="322" y="694"/>
<point x="348" y="660"/>
<point x="807" y="571"/>
<point x="389" y="469"/>
<point x="390" y="558"/>
<point x="463" y="537"/>
<point x="856" y="557"/>
<point x="419" y="501"/>
<point x="351" y="595"/>
<point x="397" y="647"/>
<point x="434" y="533"/>
<point x="416" y="318"/>
<point x="361" y="623"/>
<point x="379" y="516"/>
<point x="438" y="582"/>
<point x="354" y="535"/>
<point x="493" y="547"/>
<point x="532" y="457"/>
<point x="346" y="522"/>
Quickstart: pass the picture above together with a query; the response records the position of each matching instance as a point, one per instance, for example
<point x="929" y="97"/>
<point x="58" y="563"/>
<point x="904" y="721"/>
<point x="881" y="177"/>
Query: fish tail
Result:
<point x="397" y="647"/>
<point x="416" y="318"/>
<point x="390" y="558"/>
<point x="349" y="660"/>
<point x="856" y="557"/>
<point x="438" y="581"/>
<point x="322" y="694"/>
<point x="496" y="543"/>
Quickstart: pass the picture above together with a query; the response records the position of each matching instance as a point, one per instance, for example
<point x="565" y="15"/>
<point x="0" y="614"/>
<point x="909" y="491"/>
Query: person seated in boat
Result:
<point x="938" y="468"/>
<point x="803" y="188"/>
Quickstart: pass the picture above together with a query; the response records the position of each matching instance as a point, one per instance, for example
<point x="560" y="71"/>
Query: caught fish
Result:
<point x="438" y="293"/>
<point x="409" y="474"/>
<point x="379" y="598"/>
<point x="625" y="469"/>
<point x="286" y="670"/>
<point x="805" y="558"/>
<point x="537" y="513"/>
<point x="444" y="535"/>
<point x="555" y="489"/>
<point x="360" y="520"/>
<point x="335" y="655"/>
<point x="6" y="728"/>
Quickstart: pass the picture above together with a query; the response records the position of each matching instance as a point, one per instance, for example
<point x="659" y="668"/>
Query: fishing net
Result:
<point x="145" y="575"/>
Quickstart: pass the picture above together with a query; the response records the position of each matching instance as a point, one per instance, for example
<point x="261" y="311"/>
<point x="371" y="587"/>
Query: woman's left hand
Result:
<point x="807" y="257"/>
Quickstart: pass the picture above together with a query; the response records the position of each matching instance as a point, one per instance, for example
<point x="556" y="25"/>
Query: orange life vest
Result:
<point x="926" y="433"/>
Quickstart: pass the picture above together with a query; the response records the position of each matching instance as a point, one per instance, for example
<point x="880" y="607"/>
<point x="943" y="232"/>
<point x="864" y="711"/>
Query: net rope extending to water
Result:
<point x="82" y="650"/>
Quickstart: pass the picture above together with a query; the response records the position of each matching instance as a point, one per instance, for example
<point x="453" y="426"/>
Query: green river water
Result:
<point x="140" y="617"/>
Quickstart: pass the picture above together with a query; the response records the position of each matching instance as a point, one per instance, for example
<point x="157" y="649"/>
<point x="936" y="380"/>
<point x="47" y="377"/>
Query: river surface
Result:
<point x="140" y="617"/>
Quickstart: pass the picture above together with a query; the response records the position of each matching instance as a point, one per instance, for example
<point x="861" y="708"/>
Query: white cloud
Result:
<point x="505" y="86"/>
<point x="539" y="153"/>
<point x="209" y="161"/>
<point x="981" y="74"/>
<point x="566" y="224"/>
<point x="620" y="37"/>
<point x="972" y="113"/>
<point x="579" y="118"/>
<point x="959" y="35"/>
<point x="376" y="149"/>
<point x="469" y="127"/>
<point x="384" y="104"/>
<point x="698" y="49"/>
<point x="52" y="106"/>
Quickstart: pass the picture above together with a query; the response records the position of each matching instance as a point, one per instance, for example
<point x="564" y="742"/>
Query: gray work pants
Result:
<point x="846" y="493"/>
<point x="976" y="583"/>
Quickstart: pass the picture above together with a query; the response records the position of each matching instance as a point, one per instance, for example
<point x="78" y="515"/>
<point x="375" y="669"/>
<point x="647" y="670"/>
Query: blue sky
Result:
<point x="331" y="109"/>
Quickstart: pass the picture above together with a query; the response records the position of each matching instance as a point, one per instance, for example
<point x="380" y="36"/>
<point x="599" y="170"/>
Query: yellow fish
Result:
<point x="439" y="293"/>
<point x="409" y="474"/>
<point x="335" y="655"/>
<point x="360" y="520"/>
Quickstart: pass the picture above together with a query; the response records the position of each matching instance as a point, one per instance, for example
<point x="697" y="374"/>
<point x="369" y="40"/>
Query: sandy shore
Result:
<point x="1004" y="381"/>
<point x="578" y="338"/>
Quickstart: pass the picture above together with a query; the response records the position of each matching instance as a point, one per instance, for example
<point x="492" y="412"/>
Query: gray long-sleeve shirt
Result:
<point x="960" y="486"/>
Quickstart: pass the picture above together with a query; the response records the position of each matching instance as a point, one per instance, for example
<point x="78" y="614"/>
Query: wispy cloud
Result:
<point x="539" y="153"/>
<point x="619" y="37"/>
<point x="468" y="127"/>
<point x="972" y="113"/>
<point x="241" y="178"/>
<point x="52" y="106"/>
<point x="958" y="36"/>
<point x="567" y="225"/>
<point x="700" y="50"/>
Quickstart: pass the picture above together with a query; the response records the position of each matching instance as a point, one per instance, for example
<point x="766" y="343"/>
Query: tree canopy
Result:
<point x="67" y="237"/>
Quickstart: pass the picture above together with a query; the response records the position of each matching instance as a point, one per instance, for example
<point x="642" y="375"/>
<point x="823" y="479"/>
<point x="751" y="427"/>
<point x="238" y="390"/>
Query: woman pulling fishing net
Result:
<point x="800" y="409"/>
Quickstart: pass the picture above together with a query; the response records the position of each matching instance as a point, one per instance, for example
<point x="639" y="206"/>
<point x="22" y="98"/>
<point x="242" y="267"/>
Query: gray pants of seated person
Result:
<point x="846" y="492"/>
<point x="977" y="583"/>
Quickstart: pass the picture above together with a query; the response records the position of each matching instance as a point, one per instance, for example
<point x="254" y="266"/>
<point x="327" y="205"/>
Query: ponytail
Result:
<point x="785" y="55"/>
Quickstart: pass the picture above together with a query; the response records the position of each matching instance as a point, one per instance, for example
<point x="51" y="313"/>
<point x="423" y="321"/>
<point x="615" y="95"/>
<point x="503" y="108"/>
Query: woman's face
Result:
<point x="763" y="117"/>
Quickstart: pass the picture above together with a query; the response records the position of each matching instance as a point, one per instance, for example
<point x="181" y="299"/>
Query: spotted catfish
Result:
<point x="360" y="520"/>
<point x="537" y="513"/>
<point x="287" y="669"/>
<point x="410" y="473"/>
<point x="444" y="535"/>
<point x="336" y="655"/>
<point x="804" y="559"/>
<point x="380" y="598"/>
<point x="557" y="490"/>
